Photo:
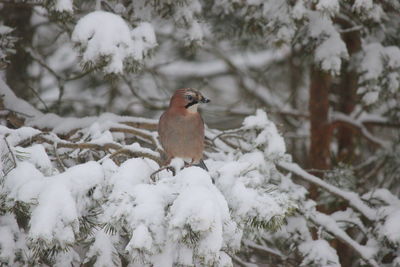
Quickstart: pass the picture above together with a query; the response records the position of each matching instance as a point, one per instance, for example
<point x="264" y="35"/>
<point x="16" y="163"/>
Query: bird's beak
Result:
<point x="205" y="100"/>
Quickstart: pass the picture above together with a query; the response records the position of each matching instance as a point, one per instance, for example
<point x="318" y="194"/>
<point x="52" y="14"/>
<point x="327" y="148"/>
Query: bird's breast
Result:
<point x="182" y="135"/>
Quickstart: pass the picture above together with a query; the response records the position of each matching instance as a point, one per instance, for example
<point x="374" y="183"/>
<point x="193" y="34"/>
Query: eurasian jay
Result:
<point x="181" y="128"/>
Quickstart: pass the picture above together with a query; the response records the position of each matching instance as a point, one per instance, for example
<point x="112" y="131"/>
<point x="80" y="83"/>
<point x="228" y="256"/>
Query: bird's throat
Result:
<point x="192" y="108"/>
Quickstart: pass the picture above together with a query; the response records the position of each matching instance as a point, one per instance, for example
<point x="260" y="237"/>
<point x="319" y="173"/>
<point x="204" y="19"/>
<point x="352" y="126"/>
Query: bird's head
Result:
<point x="188" y="99"/>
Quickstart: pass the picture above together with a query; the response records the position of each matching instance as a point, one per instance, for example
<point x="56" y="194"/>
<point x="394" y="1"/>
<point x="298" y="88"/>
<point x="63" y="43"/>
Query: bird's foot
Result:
<point x="168" y="168"/>
<point x="187" y="165"/>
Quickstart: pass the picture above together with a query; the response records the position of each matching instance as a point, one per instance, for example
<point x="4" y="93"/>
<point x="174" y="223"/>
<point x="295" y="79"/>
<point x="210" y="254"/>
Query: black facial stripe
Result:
<point x="191" y="103"/>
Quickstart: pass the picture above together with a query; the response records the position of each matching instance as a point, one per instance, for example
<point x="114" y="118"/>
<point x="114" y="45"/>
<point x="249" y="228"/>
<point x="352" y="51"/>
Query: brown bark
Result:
<point x="347" y="98"/>
<point x="346" y="135"/>
<point x="295" y="83"/>
<point x="319" y="155"/>
<point x="18" y="17"/>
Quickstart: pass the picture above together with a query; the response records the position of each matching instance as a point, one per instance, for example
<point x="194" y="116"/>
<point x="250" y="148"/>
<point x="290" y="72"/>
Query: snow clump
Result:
<point x="107" y="42"/>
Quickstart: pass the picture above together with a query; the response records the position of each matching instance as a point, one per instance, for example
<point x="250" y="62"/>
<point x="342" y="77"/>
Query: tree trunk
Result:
<point x="347" y="98"/>
<point x="18" y="16"/>
<point x="347" y="93"/>
<point x="295" y="83"/>
<point x="319" y="156"/>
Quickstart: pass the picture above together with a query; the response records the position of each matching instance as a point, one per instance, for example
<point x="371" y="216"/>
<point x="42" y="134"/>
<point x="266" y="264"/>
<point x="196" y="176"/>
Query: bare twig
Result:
<point x="241" y="262"/>
<point x="226" y="133"/>
<point x="6" y="169"/>
<point x="18" y="112"/>
<point x="136" y="132"/>
<point x="141" y="125"/>
<point x="38" y="97"/>
<point x="169" y="168"/>
<point x="64" y="144"/>
<point x="136" y="154"/>
<point x="276" y="253"/>
<point x="352" y="29"/>
<point x="62" y="166"/>
<point x="145" y="101"/>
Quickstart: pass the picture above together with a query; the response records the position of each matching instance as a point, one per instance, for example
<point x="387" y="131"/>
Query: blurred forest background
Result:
<point x="327" y="73"/>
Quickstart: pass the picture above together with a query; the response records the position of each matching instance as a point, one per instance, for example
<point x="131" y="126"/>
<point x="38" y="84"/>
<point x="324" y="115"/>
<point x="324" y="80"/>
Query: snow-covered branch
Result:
<point x="184" y="218"/>
<point x="340" y="119"/>
<point x="352" y="198"/>
<point x="329" y="225"/>
<point x="274" y="252"/>
<point x="220" y="66"/>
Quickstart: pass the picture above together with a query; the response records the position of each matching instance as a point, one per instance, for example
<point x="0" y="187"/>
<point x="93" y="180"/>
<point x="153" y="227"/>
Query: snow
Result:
<point x="353" y="199"/>
<point x="391" y="228"/>
<point x="366" y="252"/>
<point x="392" y="55"/>
<point x="195" y="32"/>
<point x="245" y="198"/>
<point x="330" y="7"/>
<point x="393" y="82"/>
<point x="269" y="134"/>
<point x="5" y="29"/>
<point x="371" y="64"/>
<point x="8" y="245"/>
<point x="63" y="5"/>
<point x="141" y="239"/>
<point x="135" y="147"/>
<point x="16" y="136"/>
<point x="55" y="215"/>
<point x="200" y="209"/>
<point x="348" y="216"/>
<point x="362" y="5"/>
<point x="252" y="244"/>
<point x="111" y="38"/>
<point x="70" y="256"/>
<point x="181" y="219"/>
<point x="177" y="164"/>
<point x="299" y="10"/>
<point x="388" y="215"/>
<point x="103" y="34"/>
<point x="62" y="125"/>
<point x="195" y="204"/>
<point x="331" y="49"/>
<point x="320" y="253"/>
<point x="144" y="38"/>
<point x="370" y="97"/>
<point x="37" y="155"/>
<point x="378" y="71"/>
<point x="24" y="183"/>
<point x="383" y="195"/>
<point x="188" y="10"/>
<point x="57" y="201"/>
<point x="12" y="102"/>
<point x="298" y="228"/>
<point x="103" y="250"/>
<point x="359" y="124"/>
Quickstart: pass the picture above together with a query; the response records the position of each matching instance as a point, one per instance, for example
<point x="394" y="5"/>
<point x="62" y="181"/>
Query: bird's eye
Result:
<point x="189" y="97"/>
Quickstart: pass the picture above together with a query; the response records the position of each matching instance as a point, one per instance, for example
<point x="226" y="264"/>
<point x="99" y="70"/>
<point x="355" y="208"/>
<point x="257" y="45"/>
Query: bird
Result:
<point x="181" y="128"/>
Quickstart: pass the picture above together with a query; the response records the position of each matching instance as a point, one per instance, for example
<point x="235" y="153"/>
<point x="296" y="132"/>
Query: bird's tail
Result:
<point x="202" y="165"/>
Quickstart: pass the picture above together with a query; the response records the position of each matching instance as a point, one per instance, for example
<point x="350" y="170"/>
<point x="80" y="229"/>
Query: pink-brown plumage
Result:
<point x="181" y="128"/>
